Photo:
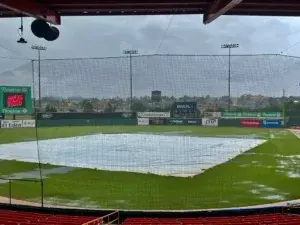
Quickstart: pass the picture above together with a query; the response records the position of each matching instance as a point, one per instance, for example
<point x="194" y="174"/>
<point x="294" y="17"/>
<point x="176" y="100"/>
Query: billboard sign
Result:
<point x="15" y="100"/>
<point x="193" y="122"/>
<point x="271" y="115"/>
<point x="176" y="121"/>
<point x="28" y="123"/>
<point x="154" y="114"/>
<point x="250" y="123"/>
<point x="11" y="123"/>
<point x="271" y="123"/>
<point x="185" y="105"/>
<point x="209" y="122"/>
<point x="143" y="121"/>
<point x="156" y="96"/>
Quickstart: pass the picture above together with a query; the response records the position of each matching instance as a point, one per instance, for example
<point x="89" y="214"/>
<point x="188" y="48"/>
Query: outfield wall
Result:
<point x="144" y="119"/>
<point x="209" y="122"/>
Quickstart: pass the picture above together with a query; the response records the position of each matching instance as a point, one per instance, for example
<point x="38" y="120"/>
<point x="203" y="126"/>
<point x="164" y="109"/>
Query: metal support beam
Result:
<point x="218" y="8"/>
<point x="33" y="9"/>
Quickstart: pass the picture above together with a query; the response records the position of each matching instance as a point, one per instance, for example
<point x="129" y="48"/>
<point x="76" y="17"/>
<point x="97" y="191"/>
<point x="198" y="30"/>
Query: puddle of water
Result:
<point x="291" y="174"/>
<point x="264" y="192"/>
<point x="274" y="197"/>
<point x="35" y="174"/>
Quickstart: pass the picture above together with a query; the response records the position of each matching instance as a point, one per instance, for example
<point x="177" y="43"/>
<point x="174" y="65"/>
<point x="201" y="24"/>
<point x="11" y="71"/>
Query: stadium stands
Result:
<point x="264" y="219"/>
<point x="9" y="217"/>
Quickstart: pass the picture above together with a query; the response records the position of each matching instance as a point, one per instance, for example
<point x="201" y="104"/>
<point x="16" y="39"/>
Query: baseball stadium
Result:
<point x="150" y="139"/>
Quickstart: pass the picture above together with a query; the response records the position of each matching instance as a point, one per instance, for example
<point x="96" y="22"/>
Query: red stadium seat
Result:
<point x="263" y="219"/>
<point x="9" y="217"/>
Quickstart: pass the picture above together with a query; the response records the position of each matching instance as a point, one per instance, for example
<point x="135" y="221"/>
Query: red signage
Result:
<point x="250" y="123"/>
<point x="14" y="100"/>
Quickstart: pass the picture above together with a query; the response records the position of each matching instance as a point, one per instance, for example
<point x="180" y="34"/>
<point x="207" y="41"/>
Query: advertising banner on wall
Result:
<point x="250" y="123"/>
<point x="28" y="123"/>
<point x="179" y="121"/>
<point x="209" y="122"/>
<point x="193" y="122"/>
<point x="86" y="116"/>
<point x="11" y="123"/>
<point x="271" y="115"/>
<point x="143" y="121"/>
<point x="176" y="121"/>
<point x="154" y="114"/>
<point x="271" y="123"/>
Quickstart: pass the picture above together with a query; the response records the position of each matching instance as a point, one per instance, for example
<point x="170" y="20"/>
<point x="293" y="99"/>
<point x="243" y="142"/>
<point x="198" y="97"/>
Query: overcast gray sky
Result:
<point x="108" y="36"/>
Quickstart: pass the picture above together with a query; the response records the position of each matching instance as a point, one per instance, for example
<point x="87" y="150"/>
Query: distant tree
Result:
<point x="138" y="107"/>
<point x="87" y="106"/>
<point x="159" y="109"/>
<point x="50" y="108"/>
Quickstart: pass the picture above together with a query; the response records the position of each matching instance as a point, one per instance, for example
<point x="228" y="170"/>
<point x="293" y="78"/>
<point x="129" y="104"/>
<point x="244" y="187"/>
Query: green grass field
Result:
<point x="265" y="174"/>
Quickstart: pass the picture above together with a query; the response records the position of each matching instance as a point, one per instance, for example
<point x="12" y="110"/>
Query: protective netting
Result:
<point x="173" y="75"/>
<point x="82" y="155"/>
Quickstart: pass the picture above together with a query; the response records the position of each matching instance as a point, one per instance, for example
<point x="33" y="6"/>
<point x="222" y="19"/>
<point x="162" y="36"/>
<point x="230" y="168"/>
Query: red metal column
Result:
<point x="218" y="8"/>
<point x="33" y="9"/>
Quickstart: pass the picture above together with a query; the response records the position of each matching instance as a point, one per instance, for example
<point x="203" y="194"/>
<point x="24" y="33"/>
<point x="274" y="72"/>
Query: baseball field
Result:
<point x="266" y="173"/>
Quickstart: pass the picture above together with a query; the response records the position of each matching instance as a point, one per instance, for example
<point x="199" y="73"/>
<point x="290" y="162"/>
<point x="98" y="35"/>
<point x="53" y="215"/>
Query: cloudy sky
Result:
<point x="108" y="36"/>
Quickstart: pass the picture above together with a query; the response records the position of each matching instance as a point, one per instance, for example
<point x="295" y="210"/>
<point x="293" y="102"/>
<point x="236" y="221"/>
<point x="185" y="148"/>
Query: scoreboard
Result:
<point x="184" y="110"/>
<point x="15" y="100"/>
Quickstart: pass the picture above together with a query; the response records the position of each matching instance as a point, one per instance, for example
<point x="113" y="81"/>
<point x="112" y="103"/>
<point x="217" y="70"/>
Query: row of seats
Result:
<point x="261" y="219"/>
<point x="9" y="217"/>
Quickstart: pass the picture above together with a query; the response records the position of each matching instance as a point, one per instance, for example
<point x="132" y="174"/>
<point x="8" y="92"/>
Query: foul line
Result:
<point x="295" y="132"/>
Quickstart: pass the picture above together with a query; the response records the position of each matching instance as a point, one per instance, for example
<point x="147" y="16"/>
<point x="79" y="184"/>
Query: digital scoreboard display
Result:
<point x="12" y="100"/>
<point x="15" y="100"/>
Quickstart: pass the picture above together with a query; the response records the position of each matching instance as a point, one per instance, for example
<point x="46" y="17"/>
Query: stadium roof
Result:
<point x="52" y="10"/>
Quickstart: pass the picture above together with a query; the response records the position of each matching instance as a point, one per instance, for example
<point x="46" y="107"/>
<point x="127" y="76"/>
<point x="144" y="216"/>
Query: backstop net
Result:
<point x="160" y="131"/>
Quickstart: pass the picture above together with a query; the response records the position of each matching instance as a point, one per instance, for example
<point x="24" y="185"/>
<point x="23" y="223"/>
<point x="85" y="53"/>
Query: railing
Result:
<point x="109" y="219"/>
<point x="10" y="181"/>
<point x="291" y="209"/>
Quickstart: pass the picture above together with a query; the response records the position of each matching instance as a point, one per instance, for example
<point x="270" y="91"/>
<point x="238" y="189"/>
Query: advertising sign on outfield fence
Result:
<point x="209" y="122"/>
<point x="143" y="121"/>
<point x="154" y="114"/>
<point x="28" y="123"/>
<point x="11" y="123"/>
<point x="271" y="123"/>
<point x="250" y="123"/>
<point x="193" y="122"/>
<point x="273" y="115"/>
<point x="176" y="121"/>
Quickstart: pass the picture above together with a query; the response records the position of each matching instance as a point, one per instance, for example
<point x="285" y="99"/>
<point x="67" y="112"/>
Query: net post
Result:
<point x="42" y="193"/>
<point x="9" y="184"/>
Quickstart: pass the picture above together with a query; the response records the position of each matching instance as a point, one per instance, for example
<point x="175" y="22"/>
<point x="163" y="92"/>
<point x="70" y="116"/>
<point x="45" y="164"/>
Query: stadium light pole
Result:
<point x="39" y="48"/>
<point x="130" y="52"/>
<point x="229" y="46"/>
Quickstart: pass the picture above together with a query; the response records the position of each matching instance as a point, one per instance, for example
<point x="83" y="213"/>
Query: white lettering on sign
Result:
<point x="154" y="114"/>
<point x="11" y="123"/>
<point x="183" y="106"/>
<point x="28" y="123"/>
<point x="209" y="122"/>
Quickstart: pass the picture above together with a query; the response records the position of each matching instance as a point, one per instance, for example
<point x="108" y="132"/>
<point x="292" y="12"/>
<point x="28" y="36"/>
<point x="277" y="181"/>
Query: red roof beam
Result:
<point x="33" y="9"/>
<point x="218" y="8"/>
